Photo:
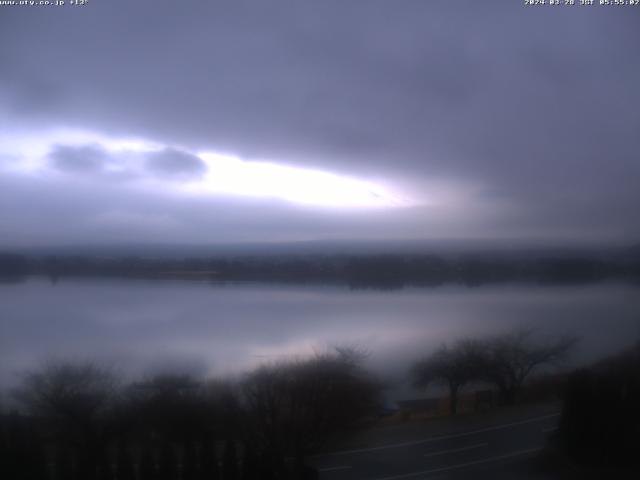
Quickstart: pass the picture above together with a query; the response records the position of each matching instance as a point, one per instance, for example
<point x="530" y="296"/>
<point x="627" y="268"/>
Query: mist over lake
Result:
<point x="143" y="326"/>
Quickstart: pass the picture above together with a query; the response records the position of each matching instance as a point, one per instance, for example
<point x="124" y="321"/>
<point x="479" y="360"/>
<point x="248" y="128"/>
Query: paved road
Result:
<point x="500" y="450"/>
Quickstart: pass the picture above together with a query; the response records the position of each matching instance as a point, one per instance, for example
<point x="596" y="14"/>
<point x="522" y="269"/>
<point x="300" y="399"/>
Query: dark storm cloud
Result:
<point x="80" y="159"/>
<point x="172" y="162"/>
<point x="535" y="106"/>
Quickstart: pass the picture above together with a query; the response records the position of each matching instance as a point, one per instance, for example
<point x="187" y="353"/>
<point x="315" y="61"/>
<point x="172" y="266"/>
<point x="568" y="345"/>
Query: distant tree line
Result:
<point x="358" y="271"/>
<point x="80" y="422"/>
<point x="13" y="265"/>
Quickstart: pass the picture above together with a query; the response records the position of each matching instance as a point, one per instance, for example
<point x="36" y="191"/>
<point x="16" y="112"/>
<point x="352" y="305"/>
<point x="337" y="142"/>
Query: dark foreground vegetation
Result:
<point x="359" y="271"/>
<point x="600" y="423"/>
<point x="73" y="421"/>
<point x="79" y="422"/>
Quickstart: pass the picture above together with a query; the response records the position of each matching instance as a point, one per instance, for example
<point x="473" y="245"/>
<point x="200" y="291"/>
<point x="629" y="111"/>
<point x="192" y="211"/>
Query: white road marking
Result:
<point x="462" y="465"/>
<point x="333" y="469"/>
<point x="454" y="450"/>
<point x="436" y="439"/>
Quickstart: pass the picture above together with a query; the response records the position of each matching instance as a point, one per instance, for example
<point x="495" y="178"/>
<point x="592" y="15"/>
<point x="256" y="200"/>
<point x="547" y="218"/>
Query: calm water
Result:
<point x="141" y="326"/>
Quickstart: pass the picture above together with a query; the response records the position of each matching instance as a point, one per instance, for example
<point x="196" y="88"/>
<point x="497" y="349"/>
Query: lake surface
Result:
<point x="142" y="326"/>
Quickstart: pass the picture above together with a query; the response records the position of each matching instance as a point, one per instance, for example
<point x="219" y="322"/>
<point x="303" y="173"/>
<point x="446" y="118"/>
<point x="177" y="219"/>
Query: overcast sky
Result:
<point x="222" y="121"/>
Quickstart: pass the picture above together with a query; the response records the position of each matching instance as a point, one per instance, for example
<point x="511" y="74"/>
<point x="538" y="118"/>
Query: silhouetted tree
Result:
<point x="171" y="407"/>
<point x="453" y="366"/>
<point x="296" y="406"/>
<point x="508" y="359"/>
<point x="74" y="400"/>
<point x="75" y="392"/>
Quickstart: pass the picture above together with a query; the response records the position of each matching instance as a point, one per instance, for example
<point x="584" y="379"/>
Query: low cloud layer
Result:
<point x="485" y="120"/>
<point x="171" y="162"/>
<point x="83" y="159"/>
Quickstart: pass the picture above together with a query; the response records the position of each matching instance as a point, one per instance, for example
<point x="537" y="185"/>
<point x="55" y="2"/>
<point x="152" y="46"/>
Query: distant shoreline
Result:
<point x="376" y="271"/>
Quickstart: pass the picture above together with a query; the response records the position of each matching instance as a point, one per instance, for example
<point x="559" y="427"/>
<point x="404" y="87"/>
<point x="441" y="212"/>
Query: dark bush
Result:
<point x="600" y="423"/>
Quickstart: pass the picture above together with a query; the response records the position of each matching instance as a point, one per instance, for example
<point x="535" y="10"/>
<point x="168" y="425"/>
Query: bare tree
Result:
<point x="507" y="360"/>
<point x="453" y="366"/>
<point x="181" y="408"/>
<point x="74" y="400"/>
<point x="294" y="406"/>
<point x="74" y="392"/>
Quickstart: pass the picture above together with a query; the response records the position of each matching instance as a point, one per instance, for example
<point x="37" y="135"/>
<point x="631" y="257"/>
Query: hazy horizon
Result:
<point x="327" y="247"/>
